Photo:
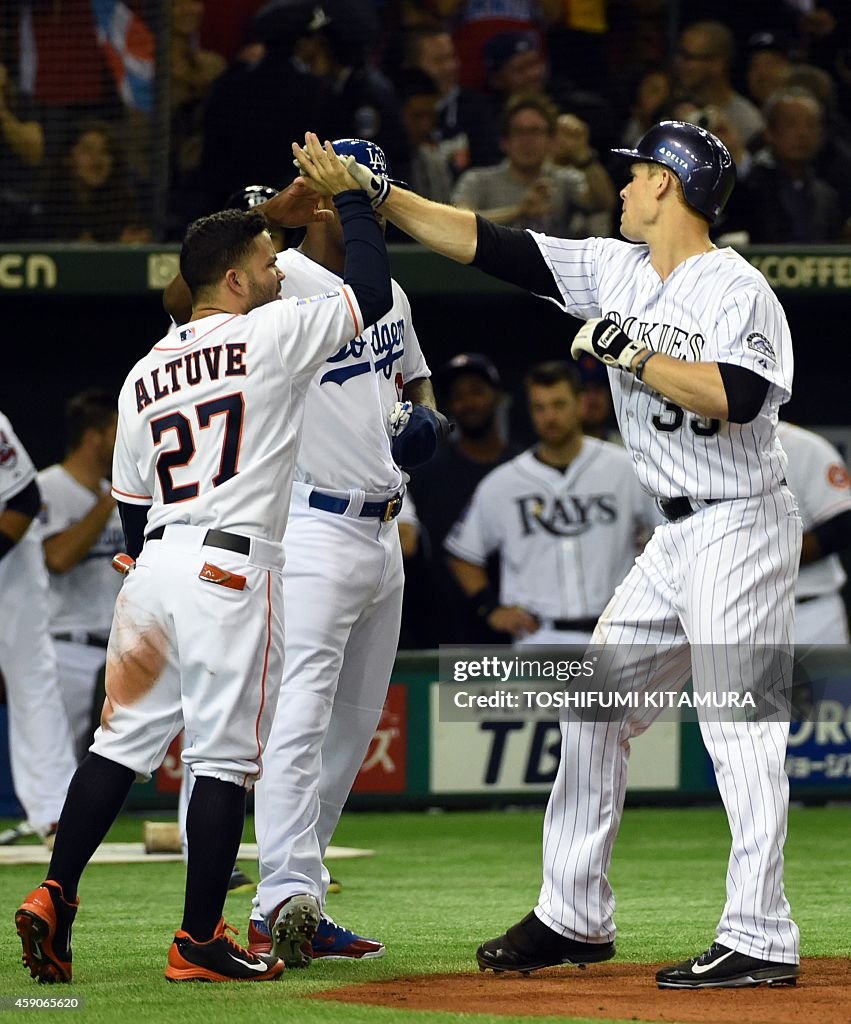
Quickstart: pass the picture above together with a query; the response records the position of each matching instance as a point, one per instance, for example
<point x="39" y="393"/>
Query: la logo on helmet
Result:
<point x="377" y="160"/>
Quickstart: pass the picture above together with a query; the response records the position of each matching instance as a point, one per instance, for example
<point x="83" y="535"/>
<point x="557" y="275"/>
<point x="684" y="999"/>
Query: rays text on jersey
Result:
<point x="208" y="363"/>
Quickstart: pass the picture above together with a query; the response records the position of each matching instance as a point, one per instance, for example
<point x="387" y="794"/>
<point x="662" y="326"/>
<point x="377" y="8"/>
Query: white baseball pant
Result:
<point x="183" y="650"/>
<point x="343" y="601"/>
<point x="40" y="747"/>
<point x="78" y="666"/>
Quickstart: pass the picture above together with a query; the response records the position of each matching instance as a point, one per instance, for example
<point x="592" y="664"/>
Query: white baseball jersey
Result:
<point x="714" y="307"/>
<point x="84" y="597"/>
<point x="341" y="446"/>
<point x="819" y="480"/>
<point x="182" y="443"/>
<point x="565" y="539"/>
<point x="41" y="757"/>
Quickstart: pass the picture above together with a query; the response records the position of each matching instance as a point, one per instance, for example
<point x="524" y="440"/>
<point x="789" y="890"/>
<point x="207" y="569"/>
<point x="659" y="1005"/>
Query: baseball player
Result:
<point x="82" y="532"/>
<point x="40" y="748"/>
<point x="564" y="518"/>
<point x="700" y="360"/>
<point x="819" y="480"/>
<point x="202" y="472"/>
<point x="343" y="587"/>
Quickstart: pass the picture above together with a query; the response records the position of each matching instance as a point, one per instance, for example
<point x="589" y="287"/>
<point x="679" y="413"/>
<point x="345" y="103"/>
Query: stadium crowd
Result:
<point x="123" y="121"/>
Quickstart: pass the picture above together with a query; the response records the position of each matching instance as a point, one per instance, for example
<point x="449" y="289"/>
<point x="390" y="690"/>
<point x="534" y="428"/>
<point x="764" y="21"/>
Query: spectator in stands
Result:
<point x="474" y="24"/>
<point x="192" y="74"/>
<point x="702" y="69"/>
<point x="782" y="198"/>
<point x="768" y="67"/>
<point x="470" y="392"/>
<point x="517" y="63"/>
<point x="21" y="152"/>
<point x="88" y="197"/>
<point x="652" y="93"/>
<point x="572" y="149"/>
<point x="527" y="189"/>
<point x="255" y="111"/>
<point x="428" y="171"/>
<point x="359" y="101"/>
<point x="467" y="130"/>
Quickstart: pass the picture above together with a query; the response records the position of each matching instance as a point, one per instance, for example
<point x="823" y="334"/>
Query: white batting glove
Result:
<point x="604" y="340"/>
<point x="398" y="417"/>
<point x="375" y="186"/>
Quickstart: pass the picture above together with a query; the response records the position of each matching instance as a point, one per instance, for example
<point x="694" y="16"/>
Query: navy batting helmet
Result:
<point x="700" y="160"/>
<point x="250" y="196"/>
<point x="370" y="155"/>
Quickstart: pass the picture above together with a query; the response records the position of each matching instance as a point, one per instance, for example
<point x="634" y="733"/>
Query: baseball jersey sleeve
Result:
<point x="414" y="365"/>
<point x="576" y="265"/>
<point x="16" y="467"/>
<point x="821" y="481"/>
<point x="54" y="515"/>
<point x="476" y="535"/>
<point x="127" y="482"/>
<point x="311" y="329"/>
<point x="751" y="331"/>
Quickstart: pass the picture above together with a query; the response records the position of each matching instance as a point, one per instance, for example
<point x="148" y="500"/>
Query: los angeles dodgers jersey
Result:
<point x="84" y="597"/>
<point x="221" y="398"/>
<point x="345" y="443"/>
<point x="565" y="539"/>
<point x="714" y="307"/>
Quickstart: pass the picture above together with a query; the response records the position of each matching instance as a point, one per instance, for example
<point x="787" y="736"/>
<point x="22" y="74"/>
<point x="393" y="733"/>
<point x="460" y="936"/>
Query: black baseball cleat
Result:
<point x="722" y="967"/>
<point x="529" y="945"/>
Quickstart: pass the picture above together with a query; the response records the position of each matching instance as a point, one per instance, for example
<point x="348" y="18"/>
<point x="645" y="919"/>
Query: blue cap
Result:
<point x="370" y="155"/>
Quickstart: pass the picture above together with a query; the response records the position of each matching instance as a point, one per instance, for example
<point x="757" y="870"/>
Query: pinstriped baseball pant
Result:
<point x="711" y="597"/>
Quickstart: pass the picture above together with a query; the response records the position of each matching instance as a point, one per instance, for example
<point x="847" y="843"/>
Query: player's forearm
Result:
<point x="505" y="215"/>
<point x="420" y="392"/>
<point x="445" y="229"/>
<point x="367" y="267"/>
<point x="67" y="549"/>
<point x="697" y="387"/>
<point x="472" y="579"/>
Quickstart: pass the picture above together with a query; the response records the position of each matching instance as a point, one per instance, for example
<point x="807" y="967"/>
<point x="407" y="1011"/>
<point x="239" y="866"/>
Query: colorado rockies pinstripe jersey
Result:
<point x="714" y="307"/>
<point x="565" y="539"/>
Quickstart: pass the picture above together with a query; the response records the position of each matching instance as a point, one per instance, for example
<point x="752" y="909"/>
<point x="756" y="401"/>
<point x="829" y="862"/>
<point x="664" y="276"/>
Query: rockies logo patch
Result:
<point x="759" y="343"/>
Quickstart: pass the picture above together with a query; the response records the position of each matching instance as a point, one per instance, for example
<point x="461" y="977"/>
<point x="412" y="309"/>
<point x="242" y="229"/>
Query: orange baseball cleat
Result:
<point x="218" y="959"/>
<point x="43" y="922"/>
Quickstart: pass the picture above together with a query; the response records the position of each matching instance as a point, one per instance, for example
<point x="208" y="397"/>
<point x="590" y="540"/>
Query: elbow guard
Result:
<point x="745" y="392"/>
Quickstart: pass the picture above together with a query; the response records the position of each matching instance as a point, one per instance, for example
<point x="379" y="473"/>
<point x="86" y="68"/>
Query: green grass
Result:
<point x="439" y="884"/>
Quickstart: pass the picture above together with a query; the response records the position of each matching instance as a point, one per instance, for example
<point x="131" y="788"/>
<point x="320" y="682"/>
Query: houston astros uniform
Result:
<point x="719" y="579"/>
<point x="565" y="539"/>
<point x="82" y="600"/>
<point x="40" y="747"/>
<point x="207" y="433"/>
<point x="819" y="480"/>
<point x="343" y="587"/>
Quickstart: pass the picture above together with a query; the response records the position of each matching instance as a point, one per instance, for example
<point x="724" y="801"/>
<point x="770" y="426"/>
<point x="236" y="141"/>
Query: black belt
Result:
<point x="383" y="510"/>
<point x="213" y="538"/>
<point x="674" y="509"/>
<point x="581" y="625"/>
<point x="89" y="639"/>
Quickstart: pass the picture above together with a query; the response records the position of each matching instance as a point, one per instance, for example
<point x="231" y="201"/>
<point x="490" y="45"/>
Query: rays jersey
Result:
<point x="714" y="307"/>
<point x="84" y="597"/>
<point x="221" y="398"/>
<point x="344" y="439"/>
<point x="565" y="539"/>
<point x="819" y="480"/>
